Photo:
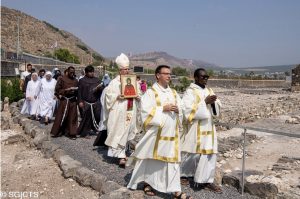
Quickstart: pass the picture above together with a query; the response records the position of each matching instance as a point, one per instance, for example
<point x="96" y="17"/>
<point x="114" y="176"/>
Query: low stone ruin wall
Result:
<point x="235" y="83"/>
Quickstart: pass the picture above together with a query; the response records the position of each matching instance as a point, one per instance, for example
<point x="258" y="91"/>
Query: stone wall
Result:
<point x="232" y="83"/>
<point x="235" y="83"/>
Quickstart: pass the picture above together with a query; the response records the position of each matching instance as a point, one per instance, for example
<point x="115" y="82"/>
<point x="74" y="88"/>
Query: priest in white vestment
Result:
<point x="46" y="97"/>
<point x="23" y="76"/>
<point x="199" y="141"/>
<point x="157" y="155"/>
<point x="122" y="114"/>
<point x="30" y="103"/>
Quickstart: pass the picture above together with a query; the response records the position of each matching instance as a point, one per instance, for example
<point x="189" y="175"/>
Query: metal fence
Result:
<point x="33" y="59"/>
<point x="245" y="128"/>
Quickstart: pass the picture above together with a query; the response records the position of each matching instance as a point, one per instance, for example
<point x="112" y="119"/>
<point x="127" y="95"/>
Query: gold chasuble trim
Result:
<point x="195" y="105"/>
<point x="165" y="138"/>
<point x="205" y="133"/>
<point x="156" y="97"/>
<point x="152" y="113"/>
<point x="149" y="118"/>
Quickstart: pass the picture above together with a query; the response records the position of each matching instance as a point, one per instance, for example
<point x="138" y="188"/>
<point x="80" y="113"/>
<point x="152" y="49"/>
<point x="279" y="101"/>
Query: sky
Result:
<point x="229" y="33"/>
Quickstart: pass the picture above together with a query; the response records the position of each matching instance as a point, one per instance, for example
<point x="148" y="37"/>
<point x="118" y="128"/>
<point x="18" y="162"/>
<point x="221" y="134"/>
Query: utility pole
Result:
<point x="18" y="38"/>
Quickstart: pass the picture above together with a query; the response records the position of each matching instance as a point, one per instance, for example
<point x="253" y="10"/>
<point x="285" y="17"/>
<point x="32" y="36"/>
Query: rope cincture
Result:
<point x="66" y="108"/>
<point x="97" y="127"/>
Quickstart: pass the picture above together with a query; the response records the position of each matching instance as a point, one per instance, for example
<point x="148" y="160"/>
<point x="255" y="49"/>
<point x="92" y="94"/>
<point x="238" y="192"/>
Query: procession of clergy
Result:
<point x="179" y="136"/>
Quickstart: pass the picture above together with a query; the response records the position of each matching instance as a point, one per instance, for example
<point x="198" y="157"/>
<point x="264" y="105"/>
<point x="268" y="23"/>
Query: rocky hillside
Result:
<point x="152" y="59"/>
<point x="39" y="37"/>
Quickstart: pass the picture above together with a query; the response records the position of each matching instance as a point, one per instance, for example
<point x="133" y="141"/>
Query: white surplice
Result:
<point x="157" y="154"/>
<point x="45" y="93"/>
<point x="199" y="141"/>
<point x="30" y="105"/>
<point x="122" y="124"/>
<point x="103" y="114"/>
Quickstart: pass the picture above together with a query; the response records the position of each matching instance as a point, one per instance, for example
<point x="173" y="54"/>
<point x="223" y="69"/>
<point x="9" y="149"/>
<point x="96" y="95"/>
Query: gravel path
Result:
<point x="95" y="158"/>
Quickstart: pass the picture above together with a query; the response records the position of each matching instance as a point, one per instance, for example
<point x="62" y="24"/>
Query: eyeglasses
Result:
<point x="204" y="76"/>
<point x="165" y="73"/>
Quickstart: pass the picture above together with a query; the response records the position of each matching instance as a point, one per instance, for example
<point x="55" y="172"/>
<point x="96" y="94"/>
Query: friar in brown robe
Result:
<point x="89" y="92"/>
<point x="66" y="120"/>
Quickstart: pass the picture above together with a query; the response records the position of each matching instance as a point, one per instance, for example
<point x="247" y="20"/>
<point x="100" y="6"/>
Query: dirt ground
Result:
<point x="27" y="174"/>
<point x="265" y="151"/>
<point x="25" y="171"/>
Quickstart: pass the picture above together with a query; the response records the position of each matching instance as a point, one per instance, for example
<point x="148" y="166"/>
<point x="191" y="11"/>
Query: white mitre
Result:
<point x="122" y="61"/>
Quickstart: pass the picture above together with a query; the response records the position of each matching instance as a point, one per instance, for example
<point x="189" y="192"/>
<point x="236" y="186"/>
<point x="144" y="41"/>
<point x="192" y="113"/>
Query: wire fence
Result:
<point x="259" y="129"/>
<point x="33" y="59"/>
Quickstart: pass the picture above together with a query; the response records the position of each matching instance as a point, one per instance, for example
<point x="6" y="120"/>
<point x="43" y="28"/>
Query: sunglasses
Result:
<point x="204" y="76"/>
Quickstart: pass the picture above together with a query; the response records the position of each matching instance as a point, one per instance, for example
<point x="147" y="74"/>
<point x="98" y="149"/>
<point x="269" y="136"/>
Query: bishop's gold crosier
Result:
<point x="164" y="138"/>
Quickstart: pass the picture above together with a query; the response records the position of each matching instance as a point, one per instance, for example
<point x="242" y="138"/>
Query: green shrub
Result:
<point x="48" y="54"/>
<point x="51" y="26"/>
<point x="65" y="55"/>
<point x="63" y="34"/>
<point x="10" y="87"/>
<point x="98" y="57"/>
<point x="83" y="47"/>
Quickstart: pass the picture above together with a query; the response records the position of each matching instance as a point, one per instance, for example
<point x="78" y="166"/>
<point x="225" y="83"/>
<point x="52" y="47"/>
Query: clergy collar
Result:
<point x="200" y="85"/>
<point x="162" y="88"/>
<point x="196" y="86"/>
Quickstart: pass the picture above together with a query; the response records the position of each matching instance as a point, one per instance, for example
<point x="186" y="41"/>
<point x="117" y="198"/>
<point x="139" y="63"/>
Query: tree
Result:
<point x="184" y="83"/>
<point x="287" y="73"/>
<point x="65" y="55"/>
<point x="178" y="71"/>
<point x="210" y="72"/>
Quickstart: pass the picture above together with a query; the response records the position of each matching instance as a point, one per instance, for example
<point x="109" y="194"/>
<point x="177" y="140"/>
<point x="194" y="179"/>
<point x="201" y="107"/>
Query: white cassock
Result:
<point x="199" y="141"/>
<point x="30" y="106"/>
<point x="103" y="114"/>
<point x="45" y="93"/>
<point x="122" y="124"/>
<point x="24" y="74"/>
<point x="157" y="154"/>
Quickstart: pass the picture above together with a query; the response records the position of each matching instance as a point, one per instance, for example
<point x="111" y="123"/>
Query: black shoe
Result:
<point x="72" y="137"/>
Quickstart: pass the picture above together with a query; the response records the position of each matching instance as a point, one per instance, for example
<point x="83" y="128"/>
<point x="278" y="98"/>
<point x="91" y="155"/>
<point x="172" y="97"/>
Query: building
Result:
<point x="296" y="79"/>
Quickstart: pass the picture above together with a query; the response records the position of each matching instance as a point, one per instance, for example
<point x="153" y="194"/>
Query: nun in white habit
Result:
<point x="31" y="103"/>
<point x="45" y="94"/>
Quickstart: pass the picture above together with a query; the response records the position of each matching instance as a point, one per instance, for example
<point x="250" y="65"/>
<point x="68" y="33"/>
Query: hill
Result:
<point x="39" y="37"/>
<point x="153" y="59"/>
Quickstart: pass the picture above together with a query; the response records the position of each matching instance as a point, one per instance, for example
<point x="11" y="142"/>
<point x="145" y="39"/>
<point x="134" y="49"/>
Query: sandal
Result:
<point x="184" y="181"/>
<point x="122" y="162"/>
<point x="148" y="190"/>
<point x="182" y="196"/>
<point x="214" y="188"/>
